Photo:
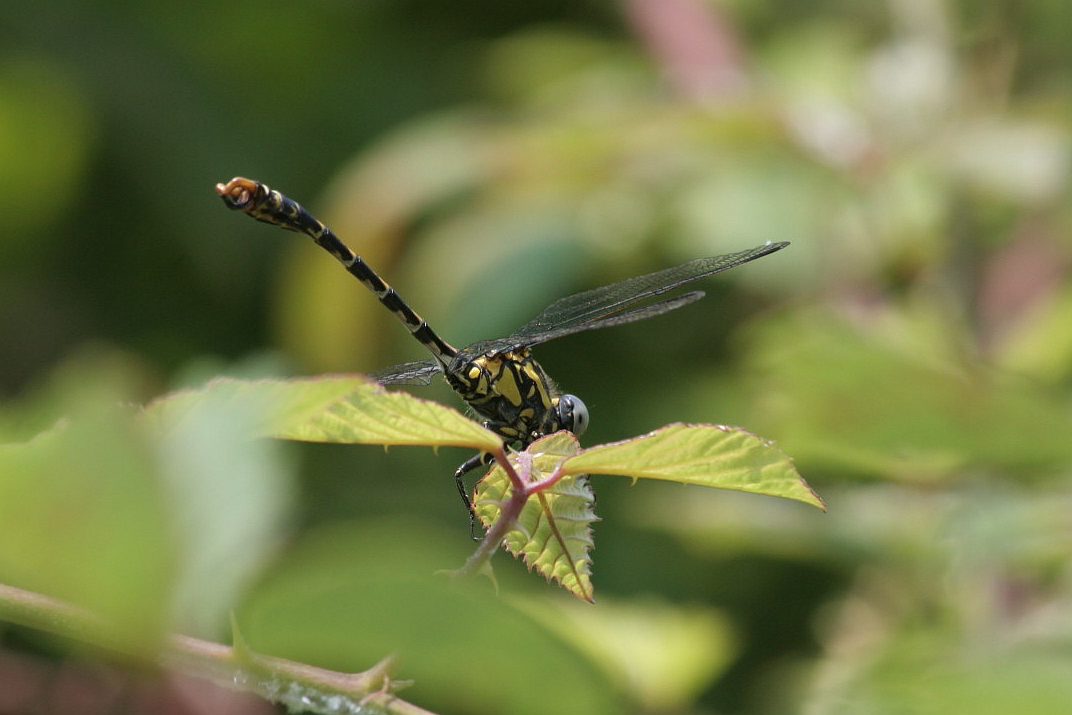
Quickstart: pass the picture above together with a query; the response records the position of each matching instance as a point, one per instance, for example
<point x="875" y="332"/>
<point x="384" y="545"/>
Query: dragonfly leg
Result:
<point x="466" y="467"/>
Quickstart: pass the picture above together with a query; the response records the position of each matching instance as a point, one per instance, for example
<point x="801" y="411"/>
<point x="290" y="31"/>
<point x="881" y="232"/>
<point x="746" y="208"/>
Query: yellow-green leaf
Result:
<point x="553" y="533"/>
<point x="346" y="409"/>
<point x="708" y="455"/>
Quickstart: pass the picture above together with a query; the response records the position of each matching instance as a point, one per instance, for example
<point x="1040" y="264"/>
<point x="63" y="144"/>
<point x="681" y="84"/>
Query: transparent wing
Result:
<point x="590" y="310"/>
<point x="419" y="372"/>
<point x="642" y="313"/>
<point x="581" y="308"/>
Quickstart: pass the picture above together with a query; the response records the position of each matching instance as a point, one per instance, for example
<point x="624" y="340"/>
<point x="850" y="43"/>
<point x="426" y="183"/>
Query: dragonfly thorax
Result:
<point x="519" y="400"/>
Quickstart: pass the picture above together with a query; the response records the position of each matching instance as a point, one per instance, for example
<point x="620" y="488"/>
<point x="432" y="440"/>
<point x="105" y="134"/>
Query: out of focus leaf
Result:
<point x="84" y="517"/>
<point x="1028" y="161"/>
<point x="663" y="654"/>
<point x="917" y="676"/>
<point x="348" y="594"/>
<point x="874" y="404"/>
<point x="228" y="497"/>
<point x="131" y="514"/>
<point x="1041" y="346"/>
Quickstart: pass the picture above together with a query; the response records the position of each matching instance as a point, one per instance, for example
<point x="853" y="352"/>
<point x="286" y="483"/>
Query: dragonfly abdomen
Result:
<point x="271" y="206"/>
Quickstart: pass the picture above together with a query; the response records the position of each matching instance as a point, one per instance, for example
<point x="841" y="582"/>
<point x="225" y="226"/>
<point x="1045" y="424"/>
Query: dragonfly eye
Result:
<point x="572" y="414"/>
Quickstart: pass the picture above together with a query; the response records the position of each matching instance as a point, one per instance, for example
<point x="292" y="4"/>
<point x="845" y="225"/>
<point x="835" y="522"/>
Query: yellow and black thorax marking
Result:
<point x="511" y="390"/>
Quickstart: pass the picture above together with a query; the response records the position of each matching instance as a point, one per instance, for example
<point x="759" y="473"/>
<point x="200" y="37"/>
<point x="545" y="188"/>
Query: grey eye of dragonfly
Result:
<point x="573" y="414"/>
<point x="523" y="410"/>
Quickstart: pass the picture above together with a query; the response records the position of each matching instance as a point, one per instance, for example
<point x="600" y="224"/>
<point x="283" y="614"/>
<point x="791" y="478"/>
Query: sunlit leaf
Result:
<point x="553" y="534"/>
<point x="346" y="409"/>
<point x="280" y="404"/>
<point x="707" y="455"/>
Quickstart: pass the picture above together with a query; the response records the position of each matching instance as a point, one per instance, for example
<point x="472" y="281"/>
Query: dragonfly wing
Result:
<point x="603" y="307"/>
<point x="580" y="309"/>
<point x="419" y="372"/>
<point x="631" y="316"/>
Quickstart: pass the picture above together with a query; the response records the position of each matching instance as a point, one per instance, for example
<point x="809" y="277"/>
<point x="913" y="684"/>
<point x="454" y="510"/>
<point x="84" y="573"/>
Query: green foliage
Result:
<point x="553" y="533"/>
<point x="195" y="450"/>
<point x="79" y="520"/>
<point x="663" y="654"/>
<point x="705" y="455"/>
<point x="913" y="351"/>
<point x="130" y="520"/>
<point x="348" y="594"/>
<point x="837" y="396"/>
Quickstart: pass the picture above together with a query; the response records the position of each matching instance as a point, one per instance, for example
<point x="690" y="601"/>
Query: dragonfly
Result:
<point x="499" y="379"/>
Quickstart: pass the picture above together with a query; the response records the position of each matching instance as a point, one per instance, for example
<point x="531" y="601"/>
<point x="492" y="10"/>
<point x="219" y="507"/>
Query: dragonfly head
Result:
<point x="572" y="414"/>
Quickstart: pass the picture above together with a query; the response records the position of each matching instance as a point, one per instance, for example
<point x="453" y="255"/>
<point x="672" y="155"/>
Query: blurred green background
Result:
<point x="912" y="349"/>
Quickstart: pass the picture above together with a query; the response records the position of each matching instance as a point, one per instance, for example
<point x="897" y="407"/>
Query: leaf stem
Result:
<point x="507" y="518"/>
<point x="510" y="511"/>
<point x="297" y="685"/>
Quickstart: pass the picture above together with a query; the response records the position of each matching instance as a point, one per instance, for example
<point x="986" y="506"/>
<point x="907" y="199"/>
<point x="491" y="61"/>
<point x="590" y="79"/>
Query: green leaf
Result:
<point x="129" y="513"/>
<point x="707" y="455"/>
<point x="899" y="400"/>
<point x="84" y="518"/>
<point x="229" y="497"/>
<point x="346" y="409"/>
<point x="278" y="403"/>
<point x="346" y="594"/>
<point x="553" y="533"/>
<point x="663" y="655"/>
